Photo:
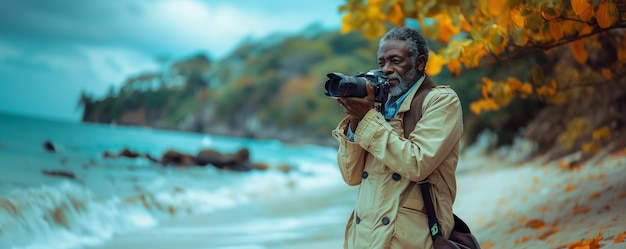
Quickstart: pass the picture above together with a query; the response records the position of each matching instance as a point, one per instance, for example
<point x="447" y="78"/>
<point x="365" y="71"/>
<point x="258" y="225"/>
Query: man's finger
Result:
<point x="369" y="90"/>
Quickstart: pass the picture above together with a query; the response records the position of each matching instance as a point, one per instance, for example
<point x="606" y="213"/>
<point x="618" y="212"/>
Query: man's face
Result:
<point x="394" y="60"/>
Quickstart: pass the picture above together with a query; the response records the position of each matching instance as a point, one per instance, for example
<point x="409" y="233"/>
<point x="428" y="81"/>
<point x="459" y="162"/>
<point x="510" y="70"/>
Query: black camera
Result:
<point x="340" y="85"/>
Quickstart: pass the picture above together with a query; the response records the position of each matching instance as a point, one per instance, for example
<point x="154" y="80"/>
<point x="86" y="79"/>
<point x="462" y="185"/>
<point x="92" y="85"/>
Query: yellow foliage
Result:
<point x="487" y="85"/>
<point x="547" y="90"/>
<point x="579" y="6"/>
<point x="496" y="7"/>
<point x="496" y="29"/>
<point x="483" y="105"/>
<point x="498" y="94"/>
<point x="592" y="243"/>
<point x="607" y="14"/>
<point x="590" y="147"/>
<point x="396" y="16"/>
<point x="490" y="24"/>
<point x="517" y="87"/>
<point x="583" y="9"/>
<point x="346" y="24"/>
<point x="518" y="18"/>
<point x="435" y="62"/>
<point x="472" y="55"/>
<point x="373" y="29"/>
<point x="556" y="30"/>
<point x="579" y="50"/>
<point x="454" y="66"/>
<point x="550" y="10"/>
<point x="519" y="37"/>
<point x="570" y="27"/>
<point x="446" y="29"/>
<point x="603" y="133"/>
<point x="496" y="37"/>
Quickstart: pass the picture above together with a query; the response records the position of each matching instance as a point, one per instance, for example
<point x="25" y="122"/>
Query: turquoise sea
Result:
<point x="115" y="199"/>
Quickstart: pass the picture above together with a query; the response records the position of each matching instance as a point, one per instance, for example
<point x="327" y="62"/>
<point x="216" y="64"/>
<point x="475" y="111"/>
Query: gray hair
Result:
<point x="414" y="40"/>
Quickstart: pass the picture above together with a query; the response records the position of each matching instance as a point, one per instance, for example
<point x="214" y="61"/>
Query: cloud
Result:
<point x="91" y="45"/>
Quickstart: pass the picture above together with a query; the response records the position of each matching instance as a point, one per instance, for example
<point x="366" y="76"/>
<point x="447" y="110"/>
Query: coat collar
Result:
<point x="406" y="104"/>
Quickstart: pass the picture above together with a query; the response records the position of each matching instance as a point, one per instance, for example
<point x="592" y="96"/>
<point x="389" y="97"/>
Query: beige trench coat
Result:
<point x="390" y="211"/>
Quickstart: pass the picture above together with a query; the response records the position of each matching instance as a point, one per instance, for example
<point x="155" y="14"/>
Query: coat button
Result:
<point x="385" y="221"/>
<point x="364" y="175"/>
<point x="358" y="220"/>
<point x="396" y="177"/>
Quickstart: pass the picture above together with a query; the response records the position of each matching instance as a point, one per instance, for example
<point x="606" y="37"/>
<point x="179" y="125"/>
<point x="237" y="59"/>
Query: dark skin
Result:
<point x="395" y="61"/>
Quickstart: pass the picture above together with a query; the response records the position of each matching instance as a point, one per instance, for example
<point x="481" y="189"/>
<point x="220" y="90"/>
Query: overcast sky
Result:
<point x="50" y="50"/>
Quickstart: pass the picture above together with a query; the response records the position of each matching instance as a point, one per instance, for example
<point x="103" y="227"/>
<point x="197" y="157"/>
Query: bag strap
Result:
<point x="433" y="222"/>
<point x="411" y="118"/>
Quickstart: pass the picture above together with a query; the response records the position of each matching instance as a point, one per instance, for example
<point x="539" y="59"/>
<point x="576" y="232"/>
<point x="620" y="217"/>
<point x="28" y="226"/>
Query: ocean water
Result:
<point x="113" y="196"/>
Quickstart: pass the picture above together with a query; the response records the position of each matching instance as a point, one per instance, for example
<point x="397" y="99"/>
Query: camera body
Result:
<point x="340" y="85"/>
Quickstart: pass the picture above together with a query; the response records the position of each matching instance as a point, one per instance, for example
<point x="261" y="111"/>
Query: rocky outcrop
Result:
<point x="237" y="161"/>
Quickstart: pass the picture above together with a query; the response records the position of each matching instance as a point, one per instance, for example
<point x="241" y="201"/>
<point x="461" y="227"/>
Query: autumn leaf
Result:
<point x="556" y="30"/>
<point x="579" y="6"/>
<point x="579" y="51"/>
<point x="517" y="18"/>
<point x="496" y="7"/>
<point x="372" y="29"/>
<point x="607" y="14"/>
<point x="580" y="210"/>
<point x="603" y="133"/>
<point x="547" y="234"/>
<point x="606" y="72"/>
<point x="346" y="24"/>
<point x="446" y="29"/>
<point x="487" y="245"/>
<point x="454" y="66"/>
<point x="583" y="9"/>
<point x="483" y="105"/>
<point x="550" y="10"/>
<point x="620" y="237"/>
<point x="522" y="240"/>
<point x="593" y="243"/>
<point x="595" y="195"/>
<point x="435" y="62"/>
<point x="590" y="147"/>
<point x="395" y="15"/>
<point x="535" y="224"/>
<point x="585" y="244"/>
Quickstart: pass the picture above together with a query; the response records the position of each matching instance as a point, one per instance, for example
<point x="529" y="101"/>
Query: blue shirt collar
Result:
<point x="391" y="109"/>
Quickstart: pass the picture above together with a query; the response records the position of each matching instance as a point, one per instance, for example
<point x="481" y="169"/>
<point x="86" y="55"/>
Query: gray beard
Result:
<point x="404" y="84"/>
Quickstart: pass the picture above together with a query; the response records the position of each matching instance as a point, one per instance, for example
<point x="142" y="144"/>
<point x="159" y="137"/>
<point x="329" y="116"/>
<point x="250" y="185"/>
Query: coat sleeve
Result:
<point x="350" y="156"/>
<point x="435" y="135"/>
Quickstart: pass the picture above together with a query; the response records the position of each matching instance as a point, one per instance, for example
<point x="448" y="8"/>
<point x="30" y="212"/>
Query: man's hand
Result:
<point x="355" y="107"/>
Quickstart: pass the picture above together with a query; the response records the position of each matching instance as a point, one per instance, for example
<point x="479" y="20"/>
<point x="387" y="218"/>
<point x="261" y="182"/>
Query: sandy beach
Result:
<point x="561" y="204"/>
